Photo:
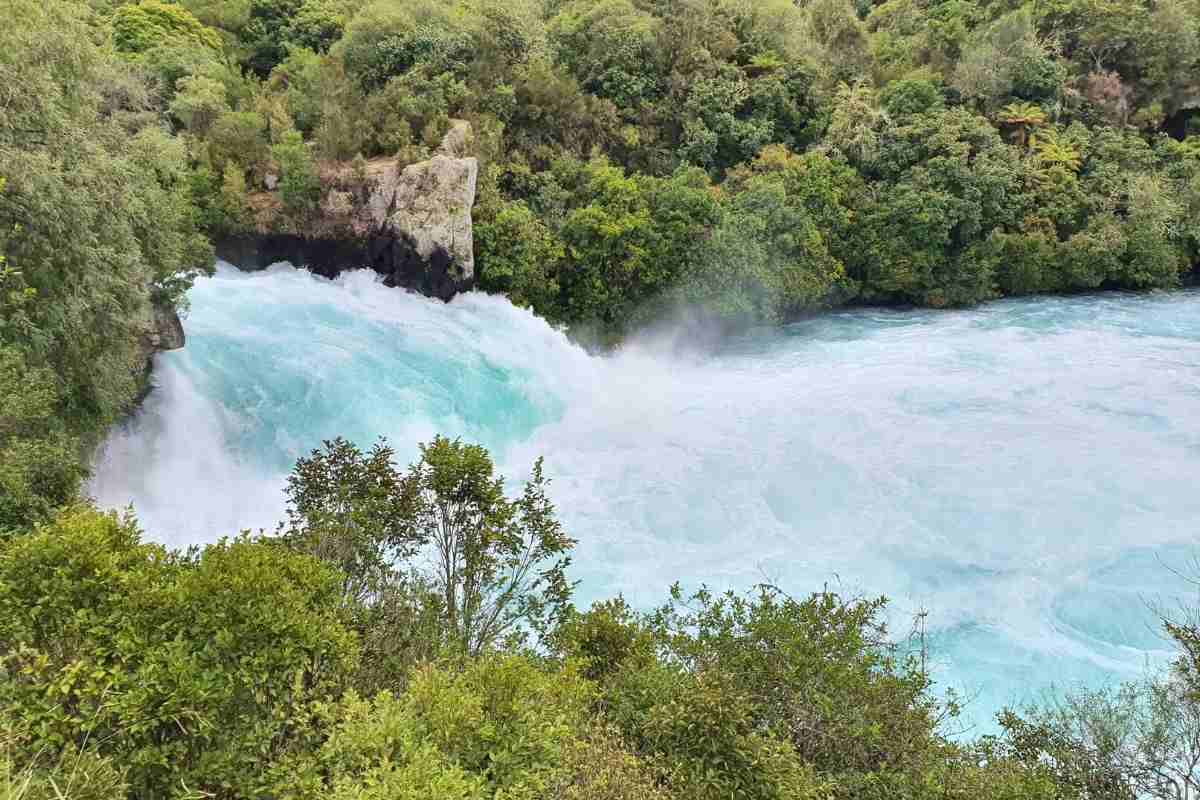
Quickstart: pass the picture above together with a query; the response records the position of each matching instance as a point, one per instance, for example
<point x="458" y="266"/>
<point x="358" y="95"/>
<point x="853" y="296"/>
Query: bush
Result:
<point x="239" y="137"/>
<point x="519" y="256"/>
<point x="599" y="767"/>
<point x="299" y="186"/>
<point x="39" y="461"/>
<point x="498" y="727"/>
<point x="900" y="98"/>
<point x="699" y="732"/>
<point x="200" y="667"/>
<point x="608" y="639"/>
<point x="799" y="665"/>
<point x="138" y="27"/>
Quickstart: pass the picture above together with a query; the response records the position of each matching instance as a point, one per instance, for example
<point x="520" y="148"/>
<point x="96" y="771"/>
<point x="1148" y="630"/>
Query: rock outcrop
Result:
<point x="412" y="225"/>
<point x="423" y="222"/>
<point x="161" y="329"/>
<point x="167" y="333"/>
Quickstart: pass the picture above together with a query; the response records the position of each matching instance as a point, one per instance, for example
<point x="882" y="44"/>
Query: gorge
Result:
<point x="1021" y="471"/>
<point x="782" y="400"/>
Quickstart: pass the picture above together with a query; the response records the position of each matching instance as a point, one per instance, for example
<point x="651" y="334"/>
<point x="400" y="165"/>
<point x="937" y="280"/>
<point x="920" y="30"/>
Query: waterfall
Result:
<point x="1022" y="471"/>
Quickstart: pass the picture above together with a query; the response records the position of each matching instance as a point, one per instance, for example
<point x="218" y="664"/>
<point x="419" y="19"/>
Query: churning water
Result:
<point x="1026" y="471"/>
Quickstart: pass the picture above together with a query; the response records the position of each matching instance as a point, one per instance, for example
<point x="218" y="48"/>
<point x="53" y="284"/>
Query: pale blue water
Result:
<point x="1024" y="471"/>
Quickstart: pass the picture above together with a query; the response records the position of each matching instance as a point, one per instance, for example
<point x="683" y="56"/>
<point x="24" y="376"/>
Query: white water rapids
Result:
<point x="1025" y="471"/>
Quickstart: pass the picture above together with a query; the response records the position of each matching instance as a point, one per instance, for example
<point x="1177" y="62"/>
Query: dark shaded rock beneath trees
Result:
<point x="167" y="333"/>
<point x="438" y="274"/>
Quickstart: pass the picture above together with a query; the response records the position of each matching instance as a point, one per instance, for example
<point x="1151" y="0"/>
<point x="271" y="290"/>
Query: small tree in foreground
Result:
<point x="345" y="506"/>
<point x="499" y="564"/>
<point x="496" y="566"/>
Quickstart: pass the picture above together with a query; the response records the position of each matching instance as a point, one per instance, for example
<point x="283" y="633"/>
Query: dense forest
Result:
<point x="410" y="633"/>
<point x="752" y="160"/>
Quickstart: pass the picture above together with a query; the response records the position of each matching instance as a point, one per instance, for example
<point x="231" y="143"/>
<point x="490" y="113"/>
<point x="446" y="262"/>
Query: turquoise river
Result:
<point x="1027" y="472"/>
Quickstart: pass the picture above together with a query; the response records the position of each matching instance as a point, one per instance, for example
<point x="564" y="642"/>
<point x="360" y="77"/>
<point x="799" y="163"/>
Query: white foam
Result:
<point x="986" y="465"/>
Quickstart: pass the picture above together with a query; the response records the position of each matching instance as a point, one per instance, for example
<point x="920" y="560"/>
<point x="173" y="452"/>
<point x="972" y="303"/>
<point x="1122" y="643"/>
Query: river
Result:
<point x="1026" y="472"/>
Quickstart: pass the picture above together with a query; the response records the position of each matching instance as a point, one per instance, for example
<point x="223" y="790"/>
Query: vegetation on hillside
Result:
<point x="410" y="634"/>
<point x="96" y="225"/>
<point x="753" y="160"/>
<point x="336" y="659"/>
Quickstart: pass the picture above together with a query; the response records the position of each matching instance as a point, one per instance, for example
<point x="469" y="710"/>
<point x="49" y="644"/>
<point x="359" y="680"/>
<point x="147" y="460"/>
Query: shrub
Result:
<point x="299" y="186"/>
<point x="138" y="27"/>
<point x="198" y="668"/>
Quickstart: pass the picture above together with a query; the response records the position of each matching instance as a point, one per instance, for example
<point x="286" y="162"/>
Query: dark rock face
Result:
<point x="326" y="257"/>
<point x="436" y="275"/>
<point x="396" y="258"/>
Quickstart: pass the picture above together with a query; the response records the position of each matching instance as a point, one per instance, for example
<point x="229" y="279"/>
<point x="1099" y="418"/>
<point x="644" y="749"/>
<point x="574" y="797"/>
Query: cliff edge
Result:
<point x="410" y="223"/>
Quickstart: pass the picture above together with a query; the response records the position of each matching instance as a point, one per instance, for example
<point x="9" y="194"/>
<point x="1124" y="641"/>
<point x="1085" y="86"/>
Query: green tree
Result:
<point x="520" y="257"/>
<point x="316" y="26"/>
<point x="499" y="727"/>
<point x="1021" y="118"/>
<point x="1009" y="57"/>
<point x="855" y="123"/>
<point x="79" y="154"/>
<point x="138" y="27"/>
<point x="1056" y="153"/>
<point x="838" y="40"/>
<point x="228" y="15"/>
<point x="697" y="729"/>
<point x="767" y="259"/>
<point x="607" y="639"/>
<point x="303" y="80"/>
<point x="499" y="564"/>
<point x="239" y="137"/>
<point x="40" y="467"/>
<point x="265" y="31"/>
<point x="946" y="182"/>
<point x="720" y="127"/>
<point x="198" y="102"/>
<point x="385" y="40"/>
<point x="608" y="46"/>
<point x="799" y="664"/>
<point x="609" y="266"/>
<point x="347" y="507"/>
<point x="236" y="214"/>
<point x="911" y="96"/>
<point x="700" y="733"/>
<point x="299" y="186"/>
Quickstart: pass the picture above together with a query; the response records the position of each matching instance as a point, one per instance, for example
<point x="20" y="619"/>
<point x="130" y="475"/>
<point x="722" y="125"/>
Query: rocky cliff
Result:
<point x="160" y="329"/>
<point x="411" y="224"/>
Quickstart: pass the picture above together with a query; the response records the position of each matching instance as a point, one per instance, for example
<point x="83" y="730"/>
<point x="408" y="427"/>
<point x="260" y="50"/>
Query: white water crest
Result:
<point x="1025" y="471"/>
